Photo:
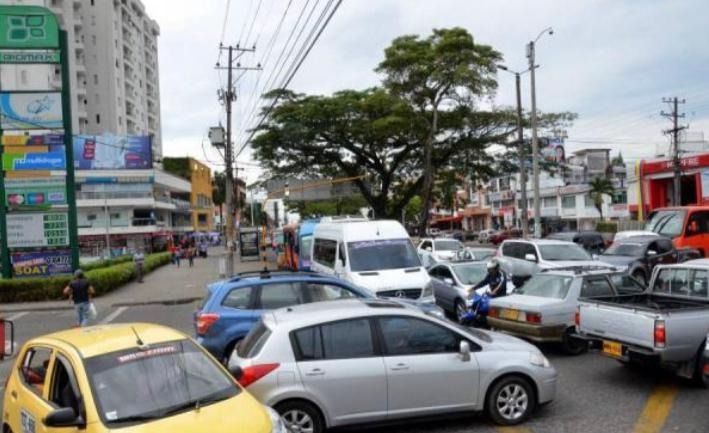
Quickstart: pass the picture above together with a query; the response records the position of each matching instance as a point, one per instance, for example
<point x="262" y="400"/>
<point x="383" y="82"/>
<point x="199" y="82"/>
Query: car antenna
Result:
<point x="138" y="341"/>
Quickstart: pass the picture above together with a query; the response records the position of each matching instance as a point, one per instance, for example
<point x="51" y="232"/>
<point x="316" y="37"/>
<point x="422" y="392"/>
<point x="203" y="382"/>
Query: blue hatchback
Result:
<point x="233" y="306"/>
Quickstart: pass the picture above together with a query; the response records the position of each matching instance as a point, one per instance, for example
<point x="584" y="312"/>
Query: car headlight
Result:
<point x="536" y="358"/>
<point x="427" y="290"/>
<point x="277" y="424"/>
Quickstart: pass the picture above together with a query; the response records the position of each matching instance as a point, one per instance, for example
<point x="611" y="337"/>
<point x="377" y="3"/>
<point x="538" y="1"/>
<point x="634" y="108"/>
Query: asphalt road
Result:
<point x="596" y="394"/>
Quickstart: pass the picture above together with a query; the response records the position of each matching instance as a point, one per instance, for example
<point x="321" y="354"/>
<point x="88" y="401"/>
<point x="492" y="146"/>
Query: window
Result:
<point x="626" y="284"/>
<point x="382" y="254"/>
<point x="23" y="76"/>
<point x="347" y="339"/>
<point x="409" y="336"/>
<point x="93" y="40"/>
<point x="93" y="20"/>
<point x="92" y="2"/>
<point x="34" y="368"/>
<point x="596" y="287"/>
<point x="512" y="249"/>
<point x="588" y="201"/>
<point x="315" y="292"/>
<point x="527" y="249"/>
<point x="96" y="98"/>
<point x="238" y="298"/>
<point x="324" y="251"/>
<point x="341" y="254"/>
<point x="700" y="285"/>
<point x="308" y="344"/>
<point x="444" y="272"/>
<point x="279" y="295"/>
<point x="95" y="79"/>
<point x="98" y="119"/>
<point x="661" y="246"/>
<point x="426" y="244"/>
<point x="65" y="390"/>
<point x="547" y="286"/>
<point x="698" y="223"/>
<point x="549" y="202"/>
<point x="91" y="217"/>
<point x="202" y="219"/>
<point x="561" y="252"/>
<point x="115" y="216"/>
<point x="251" y="345"/>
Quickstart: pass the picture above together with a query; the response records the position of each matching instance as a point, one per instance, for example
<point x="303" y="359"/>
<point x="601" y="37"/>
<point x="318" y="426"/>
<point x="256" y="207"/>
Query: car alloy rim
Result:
<point x="460" y="310"/>
<point x="512" y="401"/>
<point x="298" y="421"/>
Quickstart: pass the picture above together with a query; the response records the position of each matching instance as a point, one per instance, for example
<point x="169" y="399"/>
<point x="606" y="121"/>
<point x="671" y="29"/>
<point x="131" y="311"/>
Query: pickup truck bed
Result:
<point x="651" y="302"/>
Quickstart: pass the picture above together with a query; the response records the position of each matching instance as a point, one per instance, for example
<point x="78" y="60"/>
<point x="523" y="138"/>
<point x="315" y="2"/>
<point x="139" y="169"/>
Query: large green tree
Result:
<point x="600" y="186"/>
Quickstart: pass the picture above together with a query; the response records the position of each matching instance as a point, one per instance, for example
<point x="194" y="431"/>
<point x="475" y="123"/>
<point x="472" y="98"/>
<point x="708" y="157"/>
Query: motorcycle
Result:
<point x="478" y="307"/>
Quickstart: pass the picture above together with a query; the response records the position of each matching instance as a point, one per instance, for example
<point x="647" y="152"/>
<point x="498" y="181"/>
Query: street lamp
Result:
<point x="520" y="150"/>
<point x="535" y="143"/>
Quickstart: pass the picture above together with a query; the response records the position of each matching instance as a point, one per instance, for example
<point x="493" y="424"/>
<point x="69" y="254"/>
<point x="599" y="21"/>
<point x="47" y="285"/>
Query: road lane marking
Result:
<point x="111" y="317"/>
<point x="656" y="409"/>
<point x="513" y="429"/>
<point x="17" y="315"/>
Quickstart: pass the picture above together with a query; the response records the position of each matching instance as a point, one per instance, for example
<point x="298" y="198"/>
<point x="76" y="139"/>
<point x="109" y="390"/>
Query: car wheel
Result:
<point x="460" y="310"/>
<point x="510" y="401"/>
<point x="701" y="379"/>
<point x="572" y="345"/>
<point x="640" y="276"/>
<point x="301" y="417"/>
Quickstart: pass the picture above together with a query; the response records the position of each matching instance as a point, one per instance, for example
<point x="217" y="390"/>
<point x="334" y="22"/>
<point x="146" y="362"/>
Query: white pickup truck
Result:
<point x="667" y="325"/>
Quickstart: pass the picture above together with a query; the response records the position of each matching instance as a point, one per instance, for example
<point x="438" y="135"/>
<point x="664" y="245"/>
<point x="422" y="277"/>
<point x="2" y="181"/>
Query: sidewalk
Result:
<point x="166" y="285"/>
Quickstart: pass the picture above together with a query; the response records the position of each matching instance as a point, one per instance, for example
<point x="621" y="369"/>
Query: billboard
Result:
<point x="50" y="140"/>
<point x="37" y="230"/>
<point x="30" y="110"/>
<point x="552" y="149"/>
<point x="111" y="152"/>
<point x="33" y="161"/>
<point x="28" y="27"/>
<point x="35" y="194"/>
<point x="41" y="263"/>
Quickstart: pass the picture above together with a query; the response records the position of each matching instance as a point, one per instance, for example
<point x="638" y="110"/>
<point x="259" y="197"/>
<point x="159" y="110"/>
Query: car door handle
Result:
<point x="400" y="367"/>
<point x="315" y="372"/>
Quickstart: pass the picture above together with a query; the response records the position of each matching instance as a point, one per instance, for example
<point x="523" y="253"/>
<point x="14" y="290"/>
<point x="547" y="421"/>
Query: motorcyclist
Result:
<point x="495" y="279"/>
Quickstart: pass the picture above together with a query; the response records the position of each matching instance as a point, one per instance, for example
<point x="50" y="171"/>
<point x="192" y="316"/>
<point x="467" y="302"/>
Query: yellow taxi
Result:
<point x="126" y="378"/>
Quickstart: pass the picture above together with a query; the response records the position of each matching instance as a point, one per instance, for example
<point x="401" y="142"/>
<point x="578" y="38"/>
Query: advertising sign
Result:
<point x="29" y="57"/>
<point x="32" y="140"/>
<point x="28" y="27"/>
<point x="111" y="152"/>
<point x="30" y="110"/>
<point x="41" y="263"/>
<point x="33" y="161"/>
<point x="37" y="230"/>
<point x="35" y="194"/>
<point x="552" y="149"/>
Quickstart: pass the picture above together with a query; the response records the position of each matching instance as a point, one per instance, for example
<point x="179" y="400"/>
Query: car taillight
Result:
<point x="205" y="321"/>
<point x="534" y="317"/>
<point x="253" y="373"/>
<point x="493" y="312"/>
<point x="706" y="367"/>
<point x="577" y="317"/>
<point x="660" y="334"/>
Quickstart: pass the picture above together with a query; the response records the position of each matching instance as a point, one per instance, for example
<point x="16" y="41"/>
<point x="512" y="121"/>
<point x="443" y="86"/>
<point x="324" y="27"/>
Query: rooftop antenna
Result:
<point x="138" y="341"/>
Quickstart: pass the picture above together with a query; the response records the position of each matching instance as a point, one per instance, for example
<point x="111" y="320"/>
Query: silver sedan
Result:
<point x="333" y="364"/>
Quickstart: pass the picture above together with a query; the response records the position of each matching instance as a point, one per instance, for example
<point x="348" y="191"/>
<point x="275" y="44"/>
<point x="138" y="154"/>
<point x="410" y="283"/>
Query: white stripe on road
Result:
<point x="17" y="315"/>
<point x="111" y="317"/>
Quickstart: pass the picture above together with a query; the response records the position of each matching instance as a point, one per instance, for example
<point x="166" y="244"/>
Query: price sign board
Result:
<point x="37" y="230"/>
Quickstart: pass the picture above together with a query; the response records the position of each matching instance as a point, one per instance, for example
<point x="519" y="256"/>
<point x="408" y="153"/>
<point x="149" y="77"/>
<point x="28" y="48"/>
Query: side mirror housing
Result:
<point x="449" y="281"/>
<point x="236" y="372"/>
<point x="63" y="417"/>
<point x="465" y="351"/>
<point x="429" y="249"/>
<point x="530" y="258"/>
<point x="651" y="253"/>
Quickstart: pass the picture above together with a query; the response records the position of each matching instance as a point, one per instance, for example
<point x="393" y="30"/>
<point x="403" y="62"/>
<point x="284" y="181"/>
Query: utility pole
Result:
<point x="676" y="163"/>
<point x="229" y="97"/>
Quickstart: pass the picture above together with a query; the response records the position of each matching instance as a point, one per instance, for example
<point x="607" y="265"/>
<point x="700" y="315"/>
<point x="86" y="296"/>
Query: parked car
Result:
<point x="666" y="325"/>
<point x="543" y="310"/>
<point x="475" y="253"/>
<point x="524" y="258"/>
<point x="621" y="235"/>
<point x="437" y="250"/>
<point x="433" y="232"/>
<point x="484" y="235"/>
<point x="453" y="280"/>
<point x="502" y="235"/>
<point x="687" y="226"/>
<point x="126" y="377"/>
<point x="232" y="307"/>
<point x="640" y="254"/>
<point x="363" y="361"/>
<point x="705" y="367"/>
<point x="590" y="241"/>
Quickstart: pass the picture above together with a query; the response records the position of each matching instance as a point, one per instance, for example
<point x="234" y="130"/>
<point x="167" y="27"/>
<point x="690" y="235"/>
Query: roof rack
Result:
<point x="583" y="268"/>
<point x="265" y="273"/>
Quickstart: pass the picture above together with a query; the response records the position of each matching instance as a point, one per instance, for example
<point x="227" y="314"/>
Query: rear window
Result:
<point x="547" y="286"/>
<point x="252" y="344"/>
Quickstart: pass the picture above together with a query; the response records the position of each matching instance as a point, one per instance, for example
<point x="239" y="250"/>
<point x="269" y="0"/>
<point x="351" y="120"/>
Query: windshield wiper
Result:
<point x="132" y="418"/>
<point x="195" y="404"/>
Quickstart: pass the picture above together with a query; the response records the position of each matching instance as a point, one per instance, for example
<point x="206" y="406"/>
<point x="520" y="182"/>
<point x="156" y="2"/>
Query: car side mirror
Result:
<point x="236" y="372"/>
<point x="63" y="417"/>
<point x="651" y="253"/>
<point x="449" y="281"/>
<point x="465" y="351"/>
<point x="530" y="258"/>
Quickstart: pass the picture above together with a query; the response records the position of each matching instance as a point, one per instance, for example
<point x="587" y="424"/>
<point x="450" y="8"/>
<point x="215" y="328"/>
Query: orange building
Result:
<point x="200" y="176"/>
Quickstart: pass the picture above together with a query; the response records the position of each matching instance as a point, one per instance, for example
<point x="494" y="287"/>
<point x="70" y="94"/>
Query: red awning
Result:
<point x="451" y="219"/>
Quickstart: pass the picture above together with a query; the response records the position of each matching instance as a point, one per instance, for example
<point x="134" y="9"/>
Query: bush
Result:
<point x="104" y="263"/>
<point x="606" y="227"/>
<point x="104" y="279"/>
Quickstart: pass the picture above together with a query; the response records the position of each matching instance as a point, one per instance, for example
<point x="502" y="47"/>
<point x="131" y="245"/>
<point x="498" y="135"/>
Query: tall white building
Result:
<point x="114" y="67"/>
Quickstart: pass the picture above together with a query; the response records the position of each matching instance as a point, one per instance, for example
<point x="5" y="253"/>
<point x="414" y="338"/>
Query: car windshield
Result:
<point x="470" y="273"/>
<point x="667" y="223"/>
<point x="561" y="252"/>
<point x="447" y="245"/>
<point x="547" y="286"/>
<point x="156" y="381"/>
<point x="624" y="249"/>
<point x="306" y="243"/>
<point x="382" y="254"/>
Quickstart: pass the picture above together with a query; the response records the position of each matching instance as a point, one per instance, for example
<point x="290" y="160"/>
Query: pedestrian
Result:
<point x="139" y="260"/>
<point x="80" y="291"/>
<point x="173" y="253"/>
<point x="178" y="254"/>
<point x="190" y="255"/>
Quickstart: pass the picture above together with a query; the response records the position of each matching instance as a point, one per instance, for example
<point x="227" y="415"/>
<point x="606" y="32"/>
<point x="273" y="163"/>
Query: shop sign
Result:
<point x="33" y="161"/>
<point x="28" y="27"/>
<point x="651" y="167"/>
<point x="35" y="194"/>
<point x="37" y="230"/>
<point x="30" y="110"/>
<point x="29" y="57"/>
<point x="33" y="140"/>
<point x="41" y="263"/>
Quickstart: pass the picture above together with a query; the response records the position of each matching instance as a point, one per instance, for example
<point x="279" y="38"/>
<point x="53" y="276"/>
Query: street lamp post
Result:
<point x="535" y="143"/>
<point x="521" y="151"/>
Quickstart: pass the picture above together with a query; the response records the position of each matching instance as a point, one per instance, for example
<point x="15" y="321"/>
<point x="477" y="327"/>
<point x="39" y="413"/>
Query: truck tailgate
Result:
<point x="626" y="325"/>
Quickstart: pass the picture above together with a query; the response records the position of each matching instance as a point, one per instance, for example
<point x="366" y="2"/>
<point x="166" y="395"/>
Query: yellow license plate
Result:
<point x="509" y="314"/>
<point x="613" y="349"/>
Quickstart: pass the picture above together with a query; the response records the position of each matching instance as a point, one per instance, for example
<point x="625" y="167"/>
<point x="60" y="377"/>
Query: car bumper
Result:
<point x="538" y="333"/>
<point x="546" y="379"/>
<point x="628" y="352"/>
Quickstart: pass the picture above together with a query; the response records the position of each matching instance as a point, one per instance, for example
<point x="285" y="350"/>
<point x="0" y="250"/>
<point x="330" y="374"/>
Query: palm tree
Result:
<point x="599" y="187"/>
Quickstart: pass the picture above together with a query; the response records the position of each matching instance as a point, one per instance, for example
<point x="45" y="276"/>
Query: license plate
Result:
<point x="509" y="314"/>
<point x="613" y="349"/>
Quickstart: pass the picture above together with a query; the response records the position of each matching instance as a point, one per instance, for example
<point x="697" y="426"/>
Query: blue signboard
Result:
<point x="112" y="152"/>
<point x="33" y="161"/>
<point x="41" y="263"/>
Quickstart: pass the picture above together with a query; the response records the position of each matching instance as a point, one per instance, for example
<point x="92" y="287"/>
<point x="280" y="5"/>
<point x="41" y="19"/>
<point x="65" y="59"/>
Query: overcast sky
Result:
<point x="610" y="61"/>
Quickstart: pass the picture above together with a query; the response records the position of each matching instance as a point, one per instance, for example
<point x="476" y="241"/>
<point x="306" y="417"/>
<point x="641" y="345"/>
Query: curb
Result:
<point x="30" y="309"/>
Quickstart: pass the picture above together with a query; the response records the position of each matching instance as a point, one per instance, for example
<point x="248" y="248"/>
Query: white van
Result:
<point x="377" y="255"/>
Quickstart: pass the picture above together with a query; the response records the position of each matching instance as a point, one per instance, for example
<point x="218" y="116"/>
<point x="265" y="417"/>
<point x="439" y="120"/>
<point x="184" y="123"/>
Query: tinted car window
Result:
<point x="663" y="246"/>
<point x="444" y="272"/>
<point x="409" y="336"/>
<point x="254" y="341"/>
<point x="527" y="249"/>
<point x="512" y="249"/>
<point x="625" y="284"/>
<point x="279" y="295"/>
<point x="426" y="244"/>
<point x="547" y="286"/>
<point x="596" y="287"/>
<point x="347" y="339"/>
<point x="34" y="368"/>
<point x="308" y="344"/>
<point x="239" y="298"/>
<point x="317" y="292"/>
<point x="324" y="251"/>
